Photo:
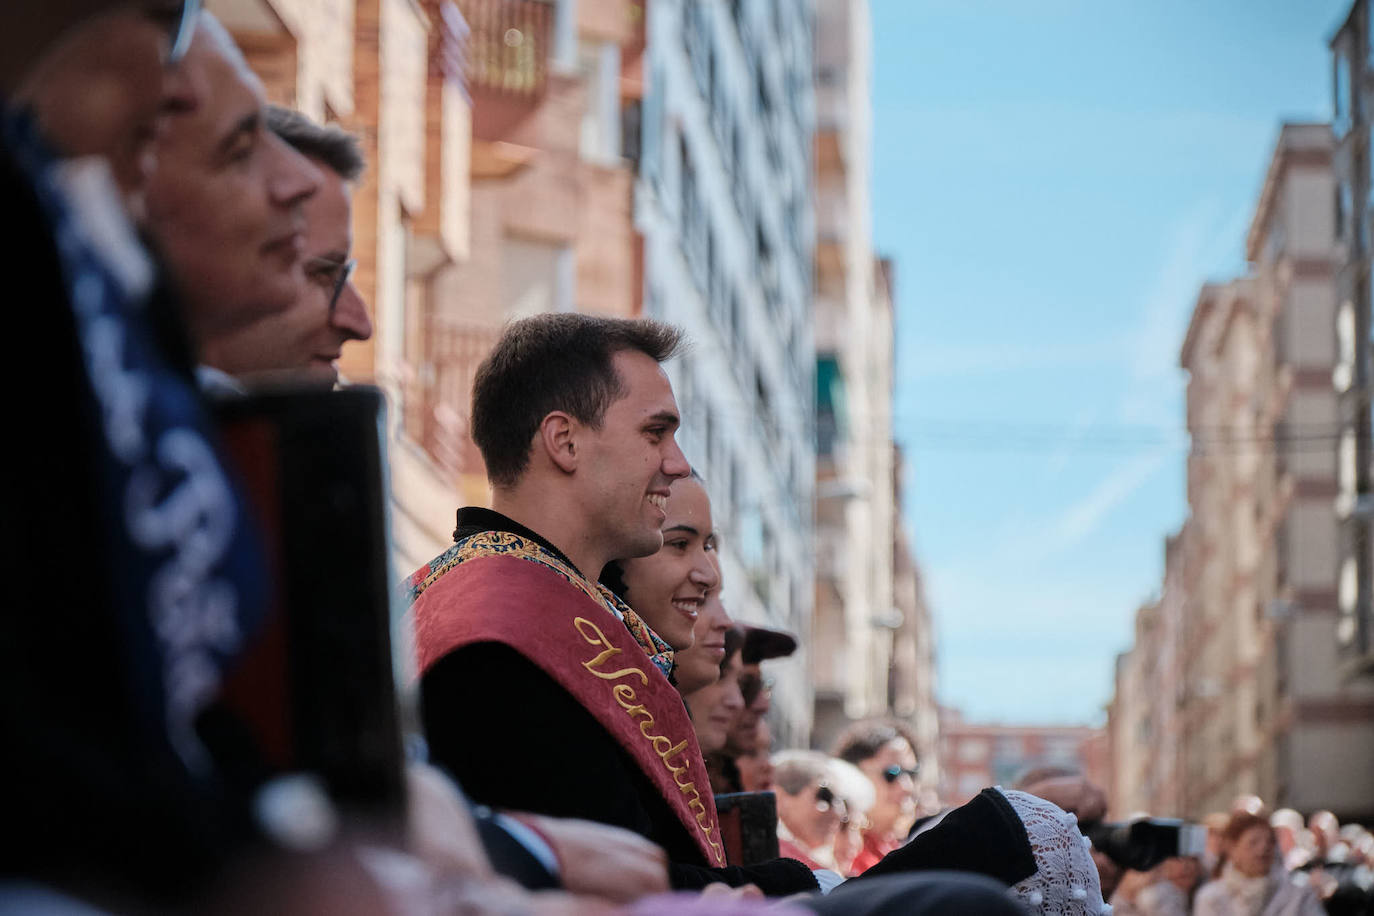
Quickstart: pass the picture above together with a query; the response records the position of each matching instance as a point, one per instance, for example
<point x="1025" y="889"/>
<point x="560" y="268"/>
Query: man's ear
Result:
<point x="558" y="437"/>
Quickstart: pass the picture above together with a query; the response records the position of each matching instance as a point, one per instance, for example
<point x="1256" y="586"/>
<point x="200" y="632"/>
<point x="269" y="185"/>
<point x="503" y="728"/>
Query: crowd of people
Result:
<point x="584" y="695"/>
<point x="1277" y="864"/>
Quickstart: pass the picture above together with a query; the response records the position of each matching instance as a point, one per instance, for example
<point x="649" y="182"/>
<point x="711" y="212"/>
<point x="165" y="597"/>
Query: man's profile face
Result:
<point x="632" y="460"/>
<point x="306" y="338"/>
<point x="226" y="201"/>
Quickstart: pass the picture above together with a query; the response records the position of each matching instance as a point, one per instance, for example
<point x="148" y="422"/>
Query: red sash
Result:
<point x="578" y="643"/>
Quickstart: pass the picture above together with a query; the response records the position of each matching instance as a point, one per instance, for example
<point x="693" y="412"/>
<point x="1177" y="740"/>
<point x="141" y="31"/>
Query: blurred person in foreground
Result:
<point x="1248" y="881"/>
<point x="126" y="543"/>
<point x="884" y="753"/>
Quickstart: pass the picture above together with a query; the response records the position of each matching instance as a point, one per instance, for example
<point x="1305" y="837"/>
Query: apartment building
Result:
<point x="912" y="678"/>
<point x="856" y="518"/>
<point x="1144" y="722"/>
<point x="1353" y="160"/>
<point x="1267" y="702"/>
<point x="976" y="755"/>
<point x="723" y="204"/>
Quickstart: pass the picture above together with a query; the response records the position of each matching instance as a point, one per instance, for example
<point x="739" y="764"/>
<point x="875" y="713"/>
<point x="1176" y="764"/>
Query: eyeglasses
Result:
<point x="337" y="273"/>
<point x="892" y="773"/>
<point x="178" y="17"/>
<point x="181" y="38"/>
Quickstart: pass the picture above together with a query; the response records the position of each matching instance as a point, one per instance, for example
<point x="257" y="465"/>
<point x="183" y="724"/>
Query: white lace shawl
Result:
<point x="1065" y="881"/>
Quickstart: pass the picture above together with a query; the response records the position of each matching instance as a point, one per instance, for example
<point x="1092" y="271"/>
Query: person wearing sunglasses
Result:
<point x="885" y="755"/>
<point x="302" y="342"/>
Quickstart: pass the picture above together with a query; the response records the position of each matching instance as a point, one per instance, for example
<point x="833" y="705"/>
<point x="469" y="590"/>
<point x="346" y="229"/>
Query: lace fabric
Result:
<point x="1065" y="882"/>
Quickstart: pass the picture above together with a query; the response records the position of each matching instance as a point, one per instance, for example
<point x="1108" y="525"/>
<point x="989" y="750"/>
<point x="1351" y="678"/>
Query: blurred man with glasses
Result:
<point x="303" y="341"/>
<point x="226" y="204"/>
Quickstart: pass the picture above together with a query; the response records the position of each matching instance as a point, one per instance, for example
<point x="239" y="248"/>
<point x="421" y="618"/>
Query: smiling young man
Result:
<point x="540" y="690"/>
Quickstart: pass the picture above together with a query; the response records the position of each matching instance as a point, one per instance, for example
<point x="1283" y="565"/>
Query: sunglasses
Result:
<point x="892" y="773"/>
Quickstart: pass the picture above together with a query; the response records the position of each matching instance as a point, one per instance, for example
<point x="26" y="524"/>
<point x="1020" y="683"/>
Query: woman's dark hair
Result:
<point x="555" y="361"/>
<point x="865" y="739"/>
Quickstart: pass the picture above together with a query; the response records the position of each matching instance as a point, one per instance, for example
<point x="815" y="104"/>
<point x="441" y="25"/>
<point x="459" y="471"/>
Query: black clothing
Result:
<point x="984" y="836"/>
<point x="542" y="751"/>
<point x="95" y="798"/>
<point x="942" y="892"/>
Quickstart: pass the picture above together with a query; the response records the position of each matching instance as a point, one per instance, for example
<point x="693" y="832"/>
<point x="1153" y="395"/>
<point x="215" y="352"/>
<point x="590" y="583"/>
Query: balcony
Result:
<point x="438" y="396"/>
<point x="507" y="61"/>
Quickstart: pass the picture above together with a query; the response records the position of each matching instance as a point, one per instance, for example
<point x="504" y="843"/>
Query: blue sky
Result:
<point x="1055" y="179"/>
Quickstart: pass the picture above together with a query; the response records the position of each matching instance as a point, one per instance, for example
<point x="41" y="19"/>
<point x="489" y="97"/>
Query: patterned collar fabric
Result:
<point x="520" y="541"/>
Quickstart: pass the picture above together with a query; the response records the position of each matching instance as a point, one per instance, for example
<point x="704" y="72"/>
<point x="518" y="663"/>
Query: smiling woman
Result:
<point x="668" y="589"/>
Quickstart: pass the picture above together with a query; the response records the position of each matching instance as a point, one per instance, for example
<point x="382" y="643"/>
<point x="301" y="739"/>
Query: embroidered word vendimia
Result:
<point x="663" y="746"/>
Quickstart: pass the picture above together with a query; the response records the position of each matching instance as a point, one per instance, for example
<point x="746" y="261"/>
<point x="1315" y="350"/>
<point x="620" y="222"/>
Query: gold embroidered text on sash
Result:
<point x="663" y="746"/>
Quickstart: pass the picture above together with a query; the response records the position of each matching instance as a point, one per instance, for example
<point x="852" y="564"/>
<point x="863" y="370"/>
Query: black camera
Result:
<point x="1142" y="844"/>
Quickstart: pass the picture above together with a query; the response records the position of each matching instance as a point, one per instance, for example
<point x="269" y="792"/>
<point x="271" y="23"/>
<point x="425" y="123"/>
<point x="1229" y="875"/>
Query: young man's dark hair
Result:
<point x="333" y="146"/>
<point x="555" y="361"/>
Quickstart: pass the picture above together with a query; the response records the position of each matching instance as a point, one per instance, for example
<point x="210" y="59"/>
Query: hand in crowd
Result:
<point x="724" y="892"/>
<point x="603" y="861"/>
<point x="441" y="831"/>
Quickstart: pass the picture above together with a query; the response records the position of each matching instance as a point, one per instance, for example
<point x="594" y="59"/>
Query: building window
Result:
<point x="1341" y="103"/>
<point x="1342" y="212"/>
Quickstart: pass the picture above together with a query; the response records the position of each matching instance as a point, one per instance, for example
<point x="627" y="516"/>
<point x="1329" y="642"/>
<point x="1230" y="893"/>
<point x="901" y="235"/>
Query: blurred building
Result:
<point x="1264" y="704"/>
<point x="1352" y="98"/>
<point x="723" y="202"/>
<point x="911" y="679"/>
<point x="1144" y="717"/>
<point x="856" y="520"/>
<point x="974" y="756"/>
